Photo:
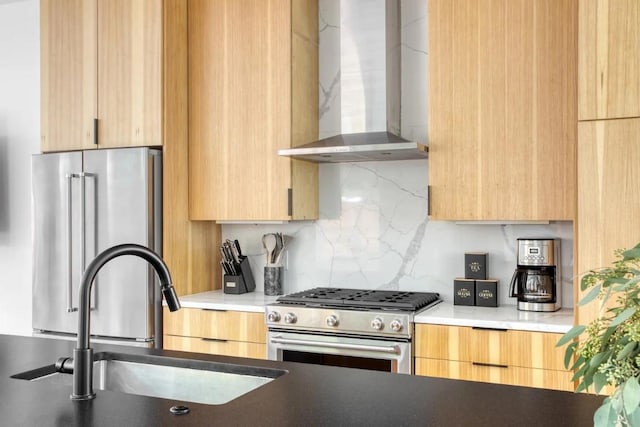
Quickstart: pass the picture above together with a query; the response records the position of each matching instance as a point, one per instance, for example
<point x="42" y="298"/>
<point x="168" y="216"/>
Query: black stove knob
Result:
<point x="332" y="320"/>
<point x="290" y="318"/>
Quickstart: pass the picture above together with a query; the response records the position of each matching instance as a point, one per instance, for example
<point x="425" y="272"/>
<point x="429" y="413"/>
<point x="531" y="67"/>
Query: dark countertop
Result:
<point x="307" y="395"/>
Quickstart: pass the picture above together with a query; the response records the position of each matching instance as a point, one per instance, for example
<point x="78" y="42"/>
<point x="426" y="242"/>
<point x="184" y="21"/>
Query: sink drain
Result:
<point x="179" y="410"/>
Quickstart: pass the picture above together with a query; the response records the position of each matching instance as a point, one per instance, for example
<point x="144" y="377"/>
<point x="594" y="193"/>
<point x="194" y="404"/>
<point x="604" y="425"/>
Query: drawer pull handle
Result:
<point x="213" y="340"/>
<point x="491" y="365"/>
<point x="480" y="328"/>
<point x="215" y="309"/>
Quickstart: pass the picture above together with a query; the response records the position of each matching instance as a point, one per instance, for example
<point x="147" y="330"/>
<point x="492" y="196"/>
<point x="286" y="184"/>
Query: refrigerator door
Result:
<point x="57" y="251"/>
<point x="120" y="200"/>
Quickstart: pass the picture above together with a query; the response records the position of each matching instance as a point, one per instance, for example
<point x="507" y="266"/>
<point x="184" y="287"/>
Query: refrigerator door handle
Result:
<point x="70" y="307"/>
<point x="83" y="200"/>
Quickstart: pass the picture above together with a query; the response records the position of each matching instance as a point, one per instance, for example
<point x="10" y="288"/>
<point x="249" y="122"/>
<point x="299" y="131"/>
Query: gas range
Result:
<point x="340" y="311"/>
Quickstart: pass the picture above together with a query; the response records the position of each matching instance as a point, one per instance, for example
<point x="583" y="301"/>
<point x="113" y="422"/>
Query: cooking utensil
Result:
<point x="269" y="241"/>
<point x="280" y="247"/>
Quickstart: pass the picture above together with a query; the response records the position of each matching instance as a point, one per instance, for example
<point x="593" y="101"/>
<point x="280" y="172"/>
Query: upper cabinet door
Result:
<point x="609" y="70"/>
<point x="101" y="59"/>
<point x="67" y="74"/>
<point x="253" y="89"/>
<point x="129" y="73"/>
<point x="502" y="109"/>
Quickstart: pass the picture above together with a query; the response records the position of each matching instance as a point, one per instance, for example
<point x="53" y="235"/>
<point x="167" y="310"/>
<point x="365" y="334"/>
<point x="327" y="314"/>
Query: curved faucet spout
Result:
<point x="83" y="354"/>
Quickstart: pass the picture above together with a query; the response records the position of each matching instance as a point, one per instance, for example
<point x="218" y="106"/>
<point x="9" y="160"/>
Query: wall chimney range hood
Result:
<point x="358" y="147"/>
<point x="370" y="89"/>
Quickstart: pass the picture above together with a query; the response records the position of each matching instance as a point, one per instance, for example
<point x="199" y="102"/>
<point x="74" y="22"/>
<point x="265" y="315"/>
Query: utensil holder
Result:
<point x="273" y="280"/>
<point x="242" y="282"/>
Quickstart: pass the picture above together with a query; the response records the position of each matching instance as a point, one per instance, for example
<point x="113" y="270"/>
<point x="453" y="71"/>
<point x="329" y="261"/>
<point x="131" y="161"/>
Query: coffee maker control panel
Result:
<point x="536" y="252"/>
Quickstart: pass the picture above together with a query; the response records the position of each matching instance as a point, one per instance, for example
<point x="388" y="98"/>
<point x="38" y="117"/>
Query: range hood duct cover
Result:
<point x="371" y="144"/>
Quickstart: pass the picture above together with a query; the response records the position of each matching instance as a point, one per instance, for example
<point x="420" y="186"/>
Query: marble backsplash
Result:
<point x="373" y="230"/>
<point x="374" y="233"/>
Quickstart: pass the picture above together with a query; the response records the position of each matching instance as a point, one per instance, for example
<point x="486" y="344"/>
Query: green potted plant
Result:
<point x="607" y="351"/>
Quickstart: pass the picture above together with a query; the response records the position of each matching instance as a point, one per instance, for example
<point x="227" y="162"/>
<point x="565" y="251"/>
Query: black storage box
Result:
<point x="487" y="293"/>
<point x="464" y="292"/>
<point x="475" y="265"/>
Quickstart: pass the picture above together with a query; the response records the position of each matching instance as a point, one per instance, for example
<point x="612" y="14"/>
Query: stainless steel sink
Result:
<point x="165" y="377"/>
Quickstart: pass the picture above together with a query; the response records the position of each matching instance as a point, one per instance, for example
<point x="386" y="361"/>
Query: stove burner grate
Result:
<point x="361" y="298"/>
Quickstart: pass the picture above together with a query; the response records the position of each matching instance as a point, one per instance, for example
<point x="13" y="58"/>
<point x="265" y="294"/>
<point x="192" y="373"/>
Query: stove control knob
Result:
<point x="332" y="320"/>
<point x="273" y="316"/>
<point x="377" y="324"/>
<point x="396" y="325"/>
<point x="290" y="318"/>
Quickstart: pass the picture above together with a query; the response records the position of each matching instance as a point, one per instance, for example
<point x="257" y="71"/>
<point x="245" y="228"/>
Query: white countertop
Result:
<point x="445" y="313"/>
<point x="503" y="317"/>
<point x="218" y="300"/>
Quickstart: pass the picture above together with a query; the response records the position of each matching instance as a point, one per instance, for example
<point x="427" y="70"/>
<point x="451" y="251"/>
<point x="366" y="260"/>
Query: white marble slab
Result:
<point x="218" y="300"/>
<point x="503" y="317"/>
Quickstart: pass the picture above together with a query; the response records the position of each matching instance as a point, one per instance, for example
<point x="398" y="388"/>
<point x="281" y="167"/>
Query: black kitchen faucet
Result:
<point x="83" y="354"/>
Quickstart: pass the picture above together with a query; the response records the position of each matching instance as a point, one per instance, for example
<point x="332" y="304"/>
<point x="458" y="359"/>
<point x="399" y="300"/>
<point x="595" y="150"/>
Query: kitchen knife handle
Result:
<point x="70" y="307"/>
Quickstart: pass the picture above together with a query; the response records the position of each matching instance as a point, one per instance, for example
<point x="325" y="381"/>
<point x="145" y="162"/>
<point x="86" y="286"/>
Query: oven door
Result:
<point x="347" y="351"/>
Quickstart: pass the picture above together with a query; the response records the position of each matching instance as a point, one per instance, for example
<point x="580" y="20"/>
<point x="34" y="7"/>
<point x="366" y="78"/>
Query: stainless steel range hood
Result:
<point x="358" y="147"/>
<point x="369" y="89"/>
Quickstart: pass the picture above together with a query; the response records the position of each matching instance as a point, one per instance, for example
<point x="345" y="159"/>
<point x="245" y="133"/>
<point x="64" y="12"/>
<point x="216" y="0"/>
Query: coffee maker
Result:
<point x="536" y="281"/>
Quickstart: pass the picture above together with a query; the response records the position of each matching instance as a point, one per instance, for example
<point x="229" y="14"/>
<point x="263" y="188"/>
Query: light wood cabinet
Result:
<point x="102" y="60"/>
<point x="253" y="80"/>
<point x="608" y="197"/>
<point x="230" y="333"/>
<point x="609" y="64"/>
<point x="502" y="109"/>
<point x="68" y="74"/>
<point x="141" y="89"/>
<point x="510" y="375"/>
<point x="500" y="356"/>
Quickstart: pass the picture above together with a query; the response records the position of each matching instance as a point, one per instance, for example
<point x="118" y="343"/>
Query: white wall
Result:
<point x="19" y="138"/>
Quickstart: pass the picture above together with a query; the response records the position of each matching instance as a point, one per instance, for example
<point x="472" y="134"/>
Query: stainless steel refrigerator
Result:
<point x="85" y="202"/>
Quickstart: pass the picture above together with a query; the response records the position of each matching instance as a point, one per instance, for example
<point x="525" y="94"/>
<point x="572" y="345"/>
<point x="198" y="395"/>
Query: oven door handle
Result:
<point x="394" y="349"/>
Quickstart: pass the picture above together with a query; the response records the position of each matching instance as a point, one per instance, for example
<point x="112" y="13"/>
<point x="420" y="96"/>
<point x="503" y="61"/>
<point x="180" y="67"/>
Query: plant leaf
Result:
<point x="599" y="381"/>
<point x="627" y="350"/>
<point x="571" y="334"/>
<point x="598" y="359"/>
<point x="631" y="394"/>
<point x="623" y="316"/>
<point x="593" y="293"/>
<point x="568" y="354"/>
<point x="603" y="415"/>
<point x="579" y="361"/>
<point x="631" y="254"/>
<point x="580" y="372"/>
<point x="634" y="417"/>
<point x="607" y="334"/>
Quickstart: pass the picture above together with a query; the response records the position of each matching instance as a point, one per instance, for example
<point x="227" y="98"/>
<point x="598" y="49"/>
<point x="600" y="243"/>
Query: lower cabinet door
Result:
<point x="210" y="346"/>
<point x="511" y="375"/>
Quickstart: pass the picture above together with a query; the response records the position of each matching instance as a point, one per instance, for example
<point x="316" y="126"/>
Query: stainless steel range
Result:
<point x="369" y="329"/>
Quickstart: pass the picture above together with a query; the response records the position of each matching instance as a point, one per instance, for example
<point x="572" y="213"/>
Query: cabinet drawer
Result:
<point x="223" y="325"/>
<point x="511" y="375"/>
<point x="225" y="348"/>
<point x="493" y="346"/>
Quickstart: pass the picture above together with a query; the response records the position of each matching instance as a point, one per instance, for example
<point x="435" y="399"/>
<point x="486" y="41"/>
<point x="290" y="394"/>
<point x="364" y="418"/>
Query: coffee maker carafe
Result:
<point x="536" y="281"/>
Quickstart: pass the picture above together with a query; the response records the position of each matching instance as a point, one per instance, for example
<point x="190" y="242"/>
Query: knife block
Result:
<point x="241" y="283"/>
